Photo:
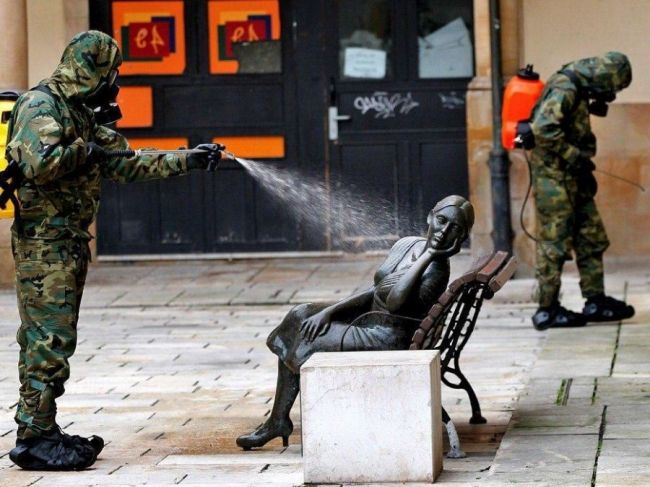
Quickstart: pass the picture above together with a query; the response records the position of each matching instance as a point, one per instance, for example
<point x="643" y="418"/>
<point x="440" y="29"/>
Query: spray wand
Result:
<point x="620" y="178"/>
<point x="158" y="152"/>
<point x="530" y="187"/>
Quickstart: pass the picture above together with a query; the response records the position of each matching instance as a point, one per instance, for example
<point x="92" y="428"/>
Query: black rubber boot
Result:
<point x="556" y="316"/>
<point x="606" y="308"/>
<point x="56" y="451"/>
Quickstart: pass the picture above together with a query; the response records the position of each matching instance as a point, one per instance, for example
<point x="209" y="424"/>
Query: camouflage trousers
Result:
<point x="568" y="222"/>
<point x="50" y="277"/>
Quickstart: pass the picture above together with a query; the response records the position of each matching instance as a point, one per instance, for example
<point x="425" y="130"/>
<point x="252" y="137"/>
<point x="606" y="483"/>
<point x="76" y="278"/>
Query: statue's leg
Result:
<point x="285" y="393"/>
<point x="279" y="423"/>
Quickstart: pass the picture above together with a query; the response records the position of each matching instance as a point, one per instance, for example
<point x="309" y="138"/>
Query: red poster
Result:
<point x="244" y="31"/>
<point x="149" y="39"/>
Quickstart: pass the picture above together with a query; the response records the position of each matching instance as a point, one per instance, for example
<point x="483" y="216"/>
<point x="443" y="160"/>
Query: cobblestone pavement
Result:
<point x="171" y="367"/>
<point x="584" y="416"/>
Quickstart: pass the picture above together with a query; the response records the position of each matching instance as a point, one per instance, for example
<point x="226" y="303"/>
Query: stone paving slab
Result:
<point x="582" y="418"/>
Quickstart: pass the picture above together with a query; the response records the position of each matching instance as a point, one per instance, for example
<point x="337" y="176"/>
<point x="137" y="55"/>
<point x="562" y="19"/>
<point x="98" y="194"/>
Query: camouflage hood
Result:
<point x="605" y="74"/>
<point x="88" y="58"/>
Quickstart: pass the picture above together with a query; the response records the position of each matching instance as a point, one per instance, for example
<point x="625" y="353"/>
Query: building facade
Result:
<point x="383" y="101"/>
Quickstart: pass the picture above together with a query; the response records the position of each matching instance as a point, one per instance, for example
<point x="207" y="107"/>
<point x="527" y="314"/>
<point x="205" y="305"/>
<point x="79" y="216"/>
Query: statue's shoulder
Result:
<point x="396" y="254"/>
<point x="405" y="244"/>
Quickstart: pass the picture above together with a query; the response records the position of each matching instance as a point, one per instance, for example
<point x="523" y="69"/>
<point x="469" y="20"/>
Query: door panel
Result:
<point x="439" y="173"/>
<point x="404" y="141"/>
<point x="228" y="197"/>
<point x="367" y="186"/>
<point x="400" y="126"/>
<point x="175" y="230"/>
<point x="255" y="105"/>
<point x="247" y="92"/>
<point x="272" y="228"/>
<point x="400" y="109"/>
<point x="135" y="221"/>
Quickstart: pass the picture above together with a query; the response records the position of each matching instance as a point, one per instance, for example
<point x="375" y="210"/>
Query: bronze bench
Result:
<point x="451" y="321"/>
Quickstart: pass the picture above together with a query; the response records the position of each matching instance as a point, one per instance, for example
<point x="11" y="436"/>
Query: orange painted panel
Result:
<point x="254" y="146"/>
<point x="158" y="142"/>
<point x="231" y="21"/>
<point x="151" y="36"/>
<point x="136" y="103"/>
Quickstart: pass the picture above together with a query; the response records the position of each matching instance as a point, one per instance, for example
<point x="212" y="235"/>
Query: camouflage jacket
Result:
<point x="560" y="119"/>
<point x="60" y="194"/>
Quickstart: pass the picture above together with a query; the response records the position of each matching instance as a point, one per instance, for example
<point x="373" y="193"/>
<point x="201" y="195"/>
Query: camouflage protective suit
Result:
<point x="59" y="200"/>
<point x="563" y="182"/>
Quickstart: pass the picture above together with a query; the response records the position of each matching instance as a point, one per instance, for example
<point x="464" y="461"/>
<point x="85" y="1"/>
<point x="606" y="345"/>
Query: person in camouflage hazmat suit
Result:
<point x="61" y="151"/>
<point x="565" y="187"/>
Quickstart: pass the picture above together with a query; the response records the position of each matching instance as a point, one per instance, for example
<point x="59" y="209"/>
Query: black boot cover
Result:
<point x="56" y="451"/>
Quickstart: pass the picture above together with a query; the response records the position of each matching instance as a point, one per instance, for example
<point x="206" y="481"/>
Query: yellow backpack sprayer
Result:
<point x="7" y="198"/>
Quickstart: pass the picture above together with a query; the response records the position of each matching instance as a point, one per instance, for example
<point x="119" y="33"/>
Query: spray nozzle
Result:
<point x="228" y="155"/>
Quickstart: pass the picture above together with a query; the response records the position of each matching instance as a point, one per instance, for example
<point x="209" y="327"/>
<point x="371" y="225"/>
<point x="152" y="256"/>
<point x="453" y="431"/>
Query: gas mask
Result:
<point x="103" y="101"/>
<point x="599" y="104"/>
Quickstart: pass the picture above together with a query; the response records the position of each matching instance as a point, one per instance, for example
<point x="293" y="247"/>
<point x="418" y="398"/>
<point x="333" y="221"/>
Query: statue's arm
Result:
<point x="359" y="300"/>
<point x="401" y="291"/>
<point x="319" y="323"/>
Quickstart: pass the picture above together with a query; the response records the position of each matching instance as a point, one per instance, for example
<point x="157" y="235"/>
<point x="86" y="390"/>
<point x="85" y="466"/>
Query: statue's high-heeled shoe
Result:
<point x="265" y="433"/>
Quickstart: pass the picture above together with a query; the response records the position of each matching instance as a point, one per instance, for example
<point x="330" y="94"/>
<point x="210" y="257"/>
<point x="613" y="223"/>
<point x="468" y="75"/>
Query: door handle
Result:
<point x="334" y="118"/>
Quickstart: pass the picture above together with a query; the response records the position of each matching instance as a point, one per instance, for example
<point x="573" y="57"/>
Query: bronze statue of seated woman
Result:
<point x="383" y="317"/>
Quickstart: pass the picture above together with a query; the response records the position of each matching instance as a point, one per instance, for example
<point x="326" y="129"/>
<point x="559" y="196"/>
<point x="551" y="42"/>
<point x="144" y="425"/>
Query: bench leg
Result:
<point x="454" y="441"/>
<point x="477" y="417"/>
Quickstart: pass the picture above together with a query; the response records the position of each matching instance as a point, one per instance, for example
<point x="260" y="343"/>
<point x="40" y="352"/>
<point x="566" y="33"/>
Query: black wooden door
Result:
<point x="226" y="211"/>
<point x="398" y="77"/>
<point x="398" y="70"/>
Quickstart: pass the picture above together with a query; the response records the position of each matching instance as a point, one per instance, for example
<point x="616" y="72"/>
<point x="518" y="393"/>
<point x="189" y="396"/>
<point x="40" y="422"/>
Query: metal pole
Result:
<point x="499" y="162"/>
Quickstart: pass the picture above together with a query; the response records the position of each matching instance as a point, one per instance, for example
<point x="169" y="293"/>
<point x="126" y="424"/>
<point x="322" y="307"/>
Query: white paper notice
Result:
<point x="447" y="52"/>
<point x="364" y="63"/>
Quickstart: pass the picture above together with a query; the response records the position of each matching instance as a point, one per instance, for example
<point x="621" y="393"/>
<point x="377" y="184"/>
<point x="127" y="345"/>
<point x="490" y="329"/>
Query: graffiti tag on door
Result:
<point x="385" y="105"/>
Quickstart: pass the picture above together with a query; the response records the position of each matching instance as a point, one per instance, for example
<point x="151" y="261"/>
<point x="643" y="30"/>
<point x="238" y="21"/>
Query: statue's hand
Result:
<point x="316" y="325"/>
<point x="448" y="252"/>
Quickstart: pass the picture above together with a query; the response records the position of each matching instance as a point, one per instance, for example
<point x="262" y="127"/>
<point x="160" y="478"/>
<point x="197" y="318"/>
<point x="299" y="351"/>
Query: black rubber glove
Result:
<point x="208" y="160"/>
<point x="95" y="154"/>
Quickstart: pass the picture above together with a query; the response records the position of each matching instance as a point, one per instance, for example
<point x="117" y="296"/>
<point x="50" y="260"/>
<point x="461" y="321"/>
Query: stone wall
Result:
<point x="479" y="135"/>
<point x="623" y="148"/>
<point x="623" y="141"/>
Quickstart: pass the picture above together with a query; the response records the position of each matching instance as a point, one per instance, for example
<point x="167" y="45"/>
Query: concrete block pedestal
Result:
<point x="371" y="417"/>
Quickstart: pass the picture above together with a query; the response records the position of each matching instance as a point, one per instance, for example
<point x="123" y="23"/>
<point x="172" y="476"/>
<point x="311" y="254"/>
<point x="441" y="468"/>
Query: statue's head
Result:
<point x="450" y="222"/>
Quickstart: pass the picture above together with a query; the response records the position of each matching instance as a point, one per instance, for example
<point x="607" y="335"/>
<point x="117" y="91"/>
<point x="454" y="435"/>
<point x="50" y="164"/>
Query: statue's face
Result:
<point x="446" y="226"/>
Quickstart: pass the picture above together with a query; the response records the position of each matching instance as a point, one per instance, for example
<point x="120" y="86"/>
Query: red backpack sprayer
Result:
<point x="520" y="96"/>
